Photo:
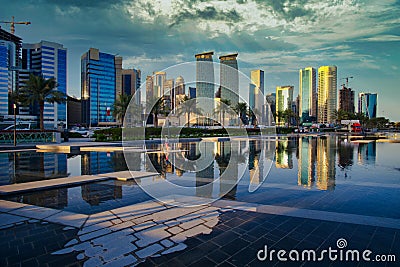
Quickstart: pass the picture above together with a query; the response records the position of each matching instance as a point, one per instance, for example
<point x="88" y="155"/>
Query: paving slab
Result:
<point x="150" y="250"/>
<point x="51" y="183"/>
<point x="100" y="217"/>
<point x="128" y="175"/>
<point x="35" y="212"/>
<point x="6" y="206"/>
<point x="6" y="219"/>
<point x="151" y="235"/>
<point x="68" y="218"/>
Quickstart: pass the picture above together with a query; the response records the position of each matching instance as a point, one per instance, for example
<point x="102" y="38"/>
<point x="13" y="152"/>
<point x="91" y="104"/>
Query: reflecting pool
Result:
<point x="328" y="173"/>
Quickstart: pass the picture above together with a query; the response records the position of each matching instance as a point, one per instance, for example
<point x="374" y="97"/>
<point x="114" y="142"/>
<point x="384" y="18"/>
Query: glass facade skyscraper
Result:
<point x="7" y="77"/>
<point x="307" y="95"/>
<point x="367" y="104"/>
<point x="205" y="81"/>
<point x="48" y="59"/>
<point x="327" y="94"/>
<point x="229" y="79"/>
<point x="98" y="87"/>
<point x="10" y="46"/>
<point x="284" y="99"/>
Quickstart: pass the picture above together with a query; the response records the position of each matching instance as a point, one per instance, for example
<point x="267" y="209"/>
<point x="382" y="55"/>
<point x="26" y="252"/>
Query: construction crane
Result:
<point x="12" y="23"/>
<point x="347" y="80"/>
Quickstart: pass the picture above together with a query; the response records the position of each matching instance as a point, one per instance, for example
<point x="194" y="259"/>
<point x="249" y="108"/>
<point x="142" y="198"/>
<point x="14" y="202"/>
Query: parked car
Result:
<point x="83" y="131"/>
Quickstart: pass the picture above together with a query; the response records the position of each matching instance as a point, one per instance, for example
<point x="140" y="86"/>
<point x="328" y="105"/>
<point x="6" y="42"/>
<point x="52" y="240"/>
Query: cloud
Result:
<point x="383" y="38"/>
<point x="207" y="13"/>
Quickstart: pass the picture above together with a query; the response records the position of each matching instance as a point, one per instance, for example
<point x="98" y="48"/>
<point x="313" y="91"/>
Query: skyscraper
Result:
<point x="229" y="78"/>
<point x="346" y="99"/>
<point x="367" y="104"/>
<point x="178" y="92"/>
<point x="118" y="75"/>
<point x="149" y="88"/>
<point x="256" y="94"/>
<point x="284" y="99"/>
<point x="98" y="85"/>
<point x="10" y="46"/>
<point x="307" y="95"/>
<point x="205" y="81"/>
<point x="159" y="80"/>
<point x="131" y="83"/>
<point x="327" y="94"/>
<point x="48" y="59"/>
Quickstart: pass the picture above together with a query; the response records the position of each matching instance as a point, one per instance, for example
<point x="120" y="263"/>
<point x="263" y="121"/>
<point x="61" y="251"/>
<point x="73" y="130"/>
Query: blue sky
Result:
<point x="360" y="37"/>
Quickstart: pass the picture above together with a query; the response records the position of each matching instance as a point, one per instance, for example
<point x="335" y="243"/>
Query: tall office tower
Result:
<point x="271" y="100"/>
<point x="98" y="85"/>
<point x="168" y="93"/>
<point x="346" y="99"/>
<point x="205" y="81"/>
<point x="252" y="95"/>
<point x="159" y="79"/>
<point x="149" y="88"/>
<point x="256" y="95"/>
<point x="307" y="161"/>
<point x="178" y="92"/>
<point x="367" y="104"/>
<point x="284" y="99"/>
<point x="327" y="94"/>
<point x="179" y="86"/>
<point x="10" y="49"/>
<point x="307" y="95"/>
<point x="229" y="76"/>
<point x="49" y="60"/>
<point x="118" y="75"/>
<point x="131" y="84"/>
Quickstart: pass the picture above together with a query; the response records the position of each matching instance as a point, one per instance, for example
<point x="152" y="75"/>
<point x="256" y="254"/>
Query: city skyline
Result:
<point x="152" y="36"/>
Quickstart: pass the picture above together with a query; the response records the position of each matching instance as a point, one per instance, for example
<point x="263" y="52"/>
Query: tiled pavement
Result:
<point x="151" y="234"/>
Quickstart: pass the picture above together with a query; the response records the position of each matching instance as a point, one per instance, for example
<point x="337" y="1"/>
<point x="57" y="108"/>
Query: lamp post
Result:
<point x="15" y="124"/>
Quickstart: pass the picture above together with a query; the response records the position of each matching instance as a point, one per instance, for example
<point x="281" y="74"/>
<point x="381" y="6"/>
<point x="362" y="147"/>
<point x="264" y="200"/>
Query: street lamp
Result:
<point x="15" y="124"/>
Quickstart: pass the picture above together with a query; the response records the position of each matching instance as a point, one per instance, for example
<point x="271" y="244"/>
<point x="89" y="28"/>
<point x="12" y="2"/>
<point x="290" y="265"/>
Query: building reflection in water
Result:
<point x="307" y="161"/>
<point x="316" y="162"/>
<point x="284" y="154"/>
<point x="205" y="176"/>
<point x="28" y="166"/>
<point x="367" y="153"/>
<point x="100" y="162"/>
<point x="96" y="193"/>
<point x="345" y="154"/>
<point x="256" y="166"/>
<point x="326" y="157"/>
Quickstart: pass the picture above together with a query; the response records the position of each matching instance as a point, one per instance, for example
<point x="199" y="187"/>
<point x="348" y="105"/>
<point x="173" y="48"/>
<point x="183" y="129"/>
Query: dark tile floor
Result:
<point x="235" y="241"/>
<point x="31" y="244"/>
<point x="240" y="235"/>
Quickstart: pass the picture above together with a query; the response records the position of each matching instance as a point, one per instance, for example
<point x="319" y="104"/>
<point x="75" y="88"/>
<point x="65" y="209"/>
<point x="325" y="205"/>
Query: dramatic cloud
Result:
<point x="360" y="36"/>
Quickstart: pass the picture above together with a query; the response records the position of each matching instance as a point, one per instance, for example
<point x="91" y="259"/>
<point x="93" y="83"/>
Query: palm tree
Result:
<point x="241" y="109"/>
<point x="253" y="115"/>
<point x="223" y="108"/>
<point x="157" y="108"/>
<point x="288" y="114"/>
<point x="39" y="90"/>
<point x="279" y="115"/>
<point x="188" y="106"/>
<point x="120" y="107"/>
